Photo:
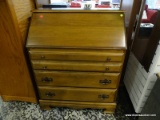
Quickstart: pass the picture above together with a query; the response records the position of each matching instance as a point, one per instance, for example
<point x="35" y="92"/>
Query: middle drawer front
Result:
<point x="77" y="94"/>
<point x="77" y="66"/>
<point x="77" y="79"/>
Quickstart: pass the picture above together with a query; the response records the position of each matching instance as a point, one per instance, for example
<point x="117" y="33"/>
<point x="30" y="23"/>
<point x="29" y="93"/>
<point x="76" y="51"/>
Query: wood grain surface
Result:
<point x="77" y="79"/>
<point x="83" y="55"/>
<point x="48" y="104"/>
<point x="23" y="10"/>
<point x="77" y="94"/>
<point x="77" y="29"/>
<point x="15" y="81"/>
<point x="77" y="66"/>
<point x="74" y="54"/>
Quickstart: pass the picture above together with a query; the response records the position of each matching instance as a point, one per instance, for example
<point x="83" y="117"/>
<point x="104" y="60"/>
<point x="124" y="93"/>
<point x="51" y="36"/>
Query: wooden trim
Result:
<point x="50" y="47"/>
<point x="135" y="10"/>
<point x="18" y="98"/>
<point x="14" y="19"/>
<point x="138" y="22"/>
<point x="18" y="46"/>
<point x="20" y="17"/>
<point x="152" y="44"/>
<point x="36" y="3"/>
<point x="48" y="104"/>
<point x="82" y="11"/>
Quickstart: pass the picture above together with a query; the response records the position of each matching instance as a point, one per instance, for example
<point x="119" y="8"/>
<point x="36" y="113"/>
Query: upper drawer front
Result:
<point x="71" y="54"/>
<point x="77" y="94"/>
<point x="77" y="66"/>
<point x="77" y="79"/>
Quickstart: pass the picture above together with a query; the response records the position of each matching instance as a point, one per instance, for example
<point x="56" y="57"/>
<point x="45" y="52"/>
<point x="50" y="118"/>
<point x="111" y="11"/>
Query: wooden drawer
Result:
<point x="77" y="66"/>
<point x="77" y="94"/>
<point x="74" y="54"/>
<point x="77" y="79"/>
<point x="48" y="104"/>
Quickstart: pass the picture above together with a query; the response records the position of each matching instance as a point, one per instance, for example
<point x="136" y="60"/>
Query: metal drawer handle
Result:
<point x="50" y="94"/>
<point x="46" y="79"/>
<point x="42" y="57"/>
<point x="103" y="96"/>
<point x="105" y="82"/>
<point x="44" y="67"/>
<point x="107" y="68"/>
<point x="108" y="59"/>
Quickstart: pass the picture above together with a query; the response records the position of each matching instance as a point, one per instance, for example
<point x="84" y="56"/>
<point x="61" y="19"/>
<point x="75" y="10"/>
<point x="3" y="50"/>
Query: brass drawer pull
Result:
<point x="44" y="67"/>
<point x="46" y="79"/>
<point x="107" y="68"/>
<point x="105" y="82"/>
<point x="108" y="59"/>
<point x="103" y="96"/>
<point x="50" y="94"/>
<point x="42" y="57"/>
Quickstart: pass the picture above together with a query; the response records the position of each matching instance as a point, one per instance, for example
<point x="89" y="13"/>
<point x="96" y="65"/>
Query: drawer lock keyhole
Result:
<point x="42" y="57"/>
<point x="44" y="67"/>
<point x="105" y="82"/>
<point x="107" y="68"/>
<point x="103" y="96"/>
<point x="108" y="59"/>
<point x="46" y="79"/>
<point x="50" y="94"/>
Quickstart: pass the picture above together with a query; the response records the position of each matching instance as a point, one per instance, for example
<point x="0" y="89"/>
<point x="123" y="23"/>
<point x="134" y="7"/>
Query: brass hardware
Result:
<point x="46" y="79"/>
<point x="105" y="82"/>
<point x="42" y="57"/>
<point x="108" y="59"/>
<point x="50" y="94"/>
<point x="121" y="15"/>
<point x="103" y="96"/>
<point x="44" y="67"/>
<point x="107" y="68"/>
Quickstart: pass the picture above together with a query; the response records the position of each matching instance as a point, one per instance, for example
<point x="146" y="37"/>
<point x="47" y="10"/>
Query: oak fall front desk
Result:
<point x="77" y="57"/>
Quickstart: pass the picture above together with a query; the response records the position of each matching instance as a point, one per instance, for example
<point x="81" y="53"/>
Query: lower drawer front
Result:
<point x="77" y="94"/>
<point x="108" y="107"/>
<point x="77" y="79"/>
<point x="77" y="66"/>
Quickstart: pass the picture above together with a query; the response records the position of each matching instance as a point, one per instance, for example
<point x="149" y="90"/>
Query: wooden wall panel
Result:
<point x="23" y="10"/>
<point x="15" y="80"/>
<point x="127" y="6"/>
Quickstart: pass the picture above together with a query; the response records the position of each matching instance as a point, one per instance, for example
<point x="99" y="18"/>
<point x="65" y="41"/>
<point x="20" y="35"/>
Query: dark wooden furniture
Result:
<point x="77" y="57"/>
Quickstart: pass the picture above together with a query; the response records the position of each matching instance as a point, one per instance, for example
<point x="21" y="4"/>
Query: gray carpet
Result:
<point x="30" y="111"/>
<point x="15" y="110"/>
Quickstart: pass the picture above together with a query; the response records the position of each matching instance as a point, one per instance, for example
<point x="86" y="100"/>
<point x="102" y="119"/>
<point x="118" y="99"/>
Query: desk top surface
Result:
<point x="77" y="29"/>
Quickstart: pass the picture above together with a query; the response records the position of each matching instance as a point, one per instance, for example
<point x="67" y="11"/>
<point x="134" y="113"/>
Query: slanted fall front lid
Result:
<point x="77" y="29"/>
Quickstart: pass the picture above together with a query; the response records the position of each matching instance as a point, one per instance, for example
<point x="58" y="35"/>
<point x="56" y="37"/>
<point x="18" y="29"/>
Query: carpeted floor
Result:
<point x="15" y="110"/>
